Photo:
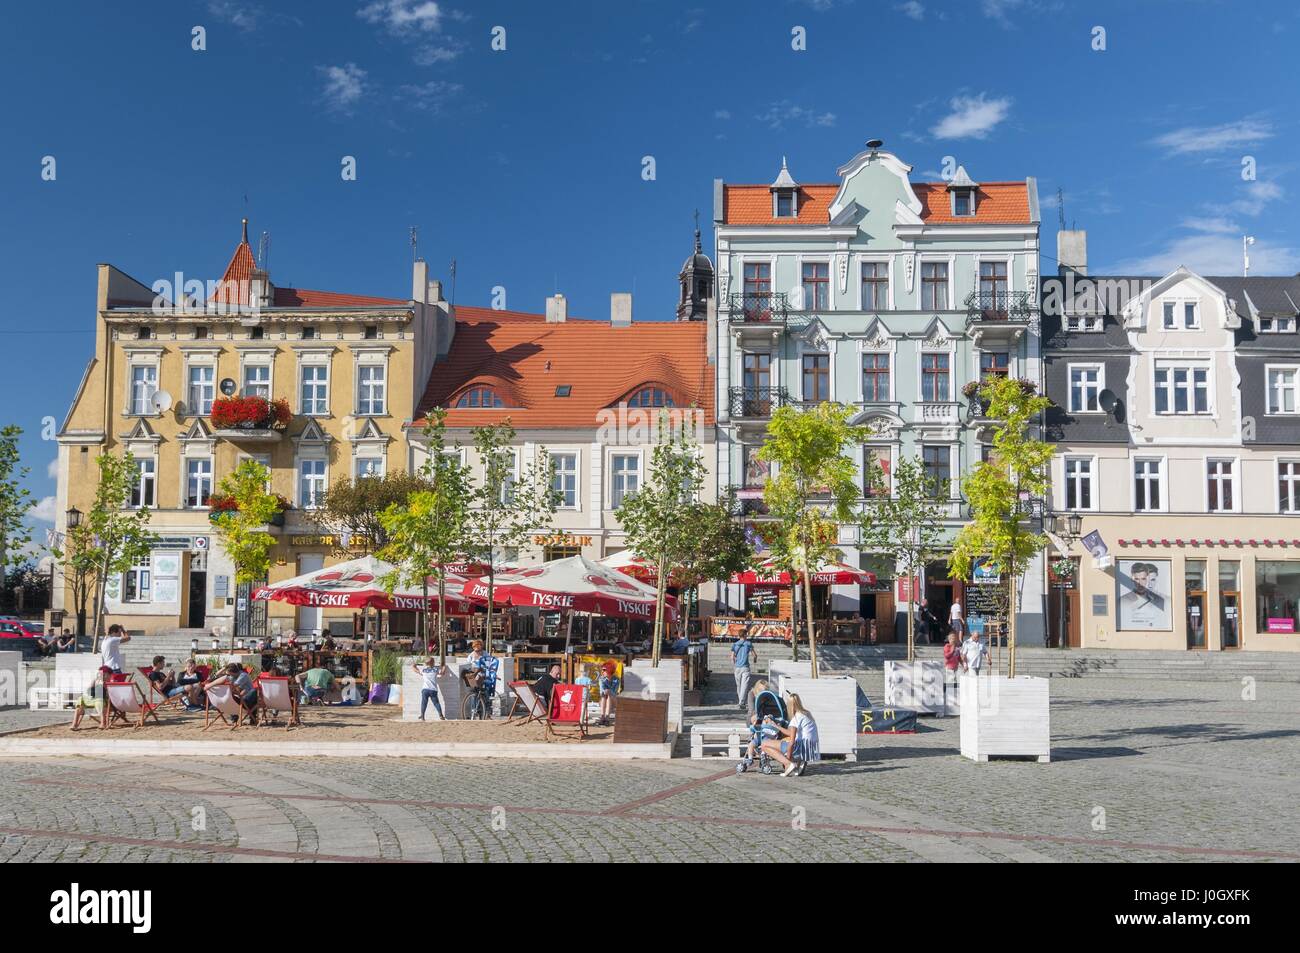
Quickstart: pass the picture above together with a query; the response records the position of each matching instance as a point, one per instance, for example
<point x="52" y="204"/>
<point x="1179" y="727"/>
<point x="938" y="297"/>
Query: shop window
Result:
<point x="1277" y="596"/>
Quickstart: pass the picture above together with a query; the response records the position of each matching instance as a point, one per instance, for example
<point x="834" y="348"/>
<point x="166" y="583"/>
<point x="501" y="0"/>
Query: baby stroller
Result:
<point x="767" y="704"/>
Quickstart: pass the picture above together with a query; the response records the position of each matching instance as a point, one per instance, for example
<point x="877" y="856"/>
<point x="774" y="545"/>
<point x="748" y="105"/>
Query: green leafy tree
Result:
<point x="15" y="501"/>
<point x="242" y="530"/>
<point x="428" y="531"/>
<point x="120" y="536"/>
<point x="79" y="561"/>
<point x="667" y="523"/>
<point x="999" y="533"/>
<point x="813" y="491"/>
<point x="351" y="508"/>
<point x="905" y="522"/>
<point x="504" y="509"/>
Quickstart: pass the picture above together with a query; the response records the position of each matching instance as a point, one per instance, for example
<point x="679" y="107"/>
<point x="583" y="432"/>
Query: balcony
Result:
<point x="937" y="413"/>
<point x="766" y="308"/>
<point x="999" y="316"/>
<point x="756" y="403"/>
<point x="247" y="434"/>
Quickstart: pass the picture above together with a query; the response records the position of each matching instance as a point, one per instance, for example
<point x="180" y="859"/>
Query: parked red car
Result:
<point x="17" y="629"/>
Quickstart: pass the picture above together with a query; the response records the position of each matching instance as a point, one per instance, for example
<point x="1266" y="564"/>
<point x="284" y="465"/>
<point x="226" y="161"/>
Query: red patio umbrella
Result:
<point x="575" y="584"/>
<point x="827" y="574"/>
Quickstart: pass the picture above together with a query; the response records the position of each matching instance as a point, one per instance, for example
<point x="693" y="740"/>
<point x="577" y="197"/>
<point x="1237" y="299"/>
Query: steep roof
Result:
<point x="1000" y="203"/>
<point x="524" y="359"/>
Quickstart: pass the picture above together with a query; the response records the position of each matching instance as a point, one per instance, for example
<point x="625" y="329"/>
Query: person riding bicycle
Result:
<point x="481" y="675"/>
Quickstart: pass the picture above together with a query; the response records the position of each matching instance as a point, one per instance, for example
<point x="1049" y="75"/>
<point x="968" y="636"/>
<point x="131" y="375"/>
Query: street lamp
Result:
<point x="1069" y="527"/>
<point x="73" y="517"/>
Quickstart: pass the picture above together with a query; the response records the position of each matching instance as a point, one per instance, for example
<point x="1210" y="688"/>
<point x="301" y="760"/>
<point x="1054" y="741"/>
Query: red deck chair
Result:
<point x="126" y="699"/>
<point x="527" y="698"/>
<point x="568" y="708"/>
<point x="220" y="702"/>
<point x="157" y="698"/>
<point x="275" y="694"/>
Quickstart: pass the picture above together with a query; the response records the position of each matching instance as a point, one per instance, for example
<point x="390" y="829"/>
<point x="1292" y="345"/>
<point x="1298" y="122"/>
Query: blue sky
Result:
<point x="525" y="165"/>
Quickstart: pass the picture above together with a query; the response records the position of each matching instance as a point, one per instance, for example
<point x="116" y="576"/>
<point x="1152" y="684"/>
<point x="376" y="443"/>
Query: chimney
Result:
<point x="620" y="309"/>
<point x="435" y="293"/>
<point x="557" y="309"/>
<point x="1072" y="251"/>
<point x="420" y="280"/>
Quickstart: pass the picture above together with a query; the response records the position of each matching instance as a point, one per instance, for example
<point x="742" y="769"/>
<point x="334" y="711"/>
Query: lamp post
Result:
<point x="72" y="520"/>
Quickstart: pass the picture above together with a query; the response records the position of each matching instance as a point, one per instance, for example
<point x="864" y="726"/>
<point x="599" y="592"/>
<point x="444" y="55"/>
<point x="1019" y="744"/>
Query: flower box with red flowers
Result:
<point x="250" y="413"/>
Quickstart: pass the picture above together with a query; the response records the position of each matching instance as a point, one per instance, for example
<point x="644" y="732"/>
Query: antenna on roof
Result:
<point x="1060" y="207"/>
<point x="415" y="241"/>
<point x="263" y="250"/>
<point x="452" y="269"/>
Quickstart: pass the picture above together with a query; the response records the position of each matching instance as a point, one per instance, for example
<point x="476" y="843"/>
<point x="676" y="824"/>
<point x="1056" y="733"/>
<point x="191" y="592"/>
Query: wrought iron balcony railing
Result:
<point x="768" y="307"/>
<point x="999" y="306"/>
<point x="756" y="402"/>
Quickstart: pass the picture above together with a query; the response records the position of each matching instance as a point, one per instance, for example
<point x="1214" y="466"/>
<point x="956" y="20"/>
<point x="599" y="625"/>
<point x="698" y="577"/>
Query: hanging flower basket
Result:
<point x="250" y="413"/>
<point x="1063" y="568"/>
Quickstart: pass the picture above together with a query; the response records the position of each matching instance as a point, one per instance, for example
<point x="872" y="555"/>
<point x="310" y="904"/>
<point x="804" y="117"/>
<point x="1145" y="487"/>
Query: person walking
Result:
<point x="951" y="665"/>
<point x="956" y="620"/>
<point x="741" y="650"/>
<point x="974" y="654"/>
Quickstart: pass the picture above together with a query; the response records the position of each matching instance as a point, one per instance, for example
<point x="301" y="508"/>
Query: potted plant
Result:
<point x="250" y="413"/>
<point x="221" y="505"/>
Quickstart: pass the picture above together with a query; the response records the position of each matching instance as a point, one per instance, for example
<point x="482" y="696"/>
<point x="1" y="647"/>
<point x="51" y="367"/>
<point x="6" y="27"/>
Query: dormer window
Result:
<point x="786" y="203"/>
<point x="1185" y="312"/>
<point x="963" y="203"/>
<point x="143" y="334"/>
<point x="651" y="397"/>
<point x="1276" y="323"/>
<point x="477" y="397"/>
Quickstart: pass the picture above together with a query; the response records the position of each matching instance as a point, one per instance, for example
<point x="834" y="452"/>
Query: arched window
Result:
<point x="651" y="397"/>
<point x="480" y="397"/>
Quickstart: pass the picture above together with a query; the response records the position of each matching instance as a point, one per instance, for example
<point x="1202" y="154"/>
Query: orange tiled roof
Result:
<point x="524" y="358"/>
<point x="1001" y="203"/>
<point x="233" y="286"/>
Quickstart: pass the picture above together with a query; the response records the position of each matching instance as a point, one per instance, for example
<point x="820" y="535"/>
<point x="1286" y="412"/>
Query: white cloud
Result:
<point x="52" y="469"/>
<point x="44" y="510"/>
<point x="430" y="96"/>
<point x="777" y="115"/>
<point x="721" y="114"/>
<point x="913" y="9"/>
<point x="1192" y="140"/>
<point x="1252" y="200"/>
<point x="972" y="117"/>
<point x="239" y="15"/>
<point x="404" y="18"/>
<point x="344" y="85"/>
<point x="1213" y="253"/>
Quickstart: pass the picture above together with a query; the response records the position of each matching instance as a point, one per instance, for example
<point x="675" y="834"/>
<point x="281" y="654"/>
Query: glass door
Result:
<point x="757" y="381"/>
<point x="1195" y="578"/>
<point x="1229" y="604"/>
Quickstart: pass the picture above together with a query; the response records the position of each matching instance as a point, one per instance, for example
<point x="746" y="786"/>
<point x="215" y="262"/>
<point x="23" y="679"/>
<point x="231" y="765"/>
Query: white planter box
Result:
<point x="642" y="678"/>
<point x="917" y="685"/>
<point x="451" y="688"/>
<point x="1003" y="716"/>
<point x="778" y="667"/>
<point x="832" y="700"/>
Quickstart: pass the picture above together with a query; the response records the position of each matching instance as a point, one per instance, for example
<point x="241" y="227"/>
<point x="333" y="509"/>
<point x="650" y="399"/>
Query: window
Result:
<point x="934" y="377"/>
<point x="308" y="334"/>
<point x="198" y="482"/>
<point x="509" y="468"/>
<point x="135" y="583"/>
<point x="875" y="377"/>
<point x="369" y="467"/>
<point x="142" y="490"/>
<point x="994" y="364"/>
<point x="144" y="382"/>
<point x="200" y="333"/>
<point x="1277" y="323"/>
<point x="1078" y="483"/>
<point x="314" y="394"/>
<point x="937" y="462"/>
<point x="1083" y="322"/>
<point x="816" y="377"/>
<point x="1283" y="383"/>
<point x="1182" y="389"/>
<point x="816" y="286"/>
<point x="625" y="478"/>
<point x="564" y="479"/>
<point x="371" y="332"/>
<point x="144" y="334"/>
<point x="311" y="483"/>
<point x="1288" y="486"/>
<point x="963" y="203"/>
<point x="202" y="389"/>
<point x="993" y="285"/>
<point x="875" y="286"/>
<point x="480" y="397"/>
<point x="1169" y="322"/>
<point x="1147" y="479"/>
<point x="371" y="388"/>
<point x="1085" y="388"/>
<point x="876" y="467"/>
<point x="1218" y="475"/>
<point x="758" y="278"/>
<point x="563" y="390"/>
<point x="651" y="397"/>
<point x="1191" y="319"/>
<point x="1277" y="596"/>
<point x="257" y="380"/>
<point x="934" y="286"/>
<point x="785" y="203"/>
<point x="256" y="334"/>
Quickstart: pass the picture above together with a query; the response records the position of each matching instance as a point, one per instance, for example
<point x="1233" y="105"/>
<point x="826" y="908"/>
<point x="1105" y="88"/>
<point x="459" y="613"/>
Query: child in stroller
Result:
<point x="769" y="713"/>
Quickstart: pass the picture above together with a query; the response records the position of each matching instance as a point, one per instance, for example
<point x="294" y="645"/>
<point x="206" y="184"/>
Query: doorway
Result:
<point x="1229" y="604"/>
<point x="940" y="593"/>
<point x="1195" y="580"/>
<point x="197" y="592"/>
<point x="1063" y="620"/>
<point x="309" y="617"/>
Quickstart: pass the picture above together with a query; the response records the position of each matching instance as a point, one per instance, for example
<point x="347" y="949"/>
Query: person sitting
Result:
<point x="797" y="744"/>
<point x="315" y="684"/>
<point x="189" y="683"/>
<point x="487" y="665"/>
<point x="680" y="644"/>
<point x="543" y="687"/>
<point x="92" y="700"/>
<point x="161" y="679"/>
<point x="241" y="687"/>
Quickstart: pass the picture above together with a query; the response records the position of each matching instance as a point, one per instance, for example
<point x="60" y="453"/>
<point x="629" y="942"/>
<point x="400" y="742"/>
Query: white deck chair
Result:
<point x="126" y="699"/>
<point x="220" y="701"/>
<point x="274" y="694"/>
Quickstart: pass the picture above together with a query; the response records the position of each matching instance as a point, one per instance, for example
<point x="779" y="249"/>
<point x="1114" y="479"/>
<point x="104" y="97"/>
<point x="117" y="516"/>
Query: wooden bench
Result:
<point x="728" y="739"/>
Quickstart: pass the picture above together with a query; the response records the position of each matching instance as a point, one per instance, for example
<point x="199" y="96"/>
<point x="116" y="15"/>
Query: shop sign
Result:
<point x="1281" y="625"/>
<point x="562" y="539"/>
<point x="319" y="539"/>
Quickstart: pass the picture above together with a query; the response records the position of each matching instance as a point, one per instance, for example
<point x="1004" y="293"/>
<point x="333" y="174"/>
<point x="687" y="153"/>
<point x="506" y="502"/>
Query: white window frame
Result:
<point x="887" y="261"/>
<point x="1293" y="480"/>
<point x="382" y="367"/>
<point x="1190" y="365"/>
<point x="1162" y="482"/>
<point x="300" y="481"/>
<point x="614" y="475"/>
<point x="258" y="366"/>
<point x="141" y="570"/>
<point x="314" y="364"/>
<point x="1235" y="476"/>
<point x="1094" y="485"/>
<point x="185" y="484"/>
<point x="194" y="408"/>
<point x="952" y="201"/>
<point x="949" y="262"/>
<point x="557" y="473"/>
<point x="1269" y="390"/>
<point x="139" y="405"/>
<point x="1100" y="368"/>
<point x="137" y="488"/>
<point x="1273" y="323"/>
<point x="363" y="457"/>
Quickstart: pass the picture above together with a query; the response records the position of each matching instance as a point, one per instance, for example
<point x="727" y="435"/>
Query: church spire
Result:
<point x="696" y="279"/>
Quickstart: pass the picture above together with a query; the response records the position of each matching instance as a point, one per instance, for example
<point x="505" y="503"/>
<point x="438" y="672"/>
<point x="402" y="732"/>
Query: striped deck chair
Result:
<point x="126" y="699"/>
<point x="221" y="706"/>
<point x="274" y="694"/>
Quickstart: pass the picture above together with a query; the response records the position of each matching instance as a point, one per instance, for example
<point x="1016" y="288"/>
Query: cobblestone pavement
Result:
<point x="1163" y="772"/>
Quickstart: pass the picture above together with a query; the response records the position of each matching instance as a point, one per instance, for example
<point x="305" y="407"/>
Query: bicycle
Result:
<point x="476" y="704"/>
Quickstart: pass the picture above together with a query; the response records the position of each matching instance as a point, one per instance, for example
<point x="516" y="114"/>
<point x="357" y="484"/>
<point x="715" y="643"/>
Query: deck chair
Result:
<point x="569" y="709"/>
<point x="157" y="698"/>
<point x="531" y="704"/>
<point x="125" y="699"/>
<point x="275" y="694"/>
<point x="219" y="701"/>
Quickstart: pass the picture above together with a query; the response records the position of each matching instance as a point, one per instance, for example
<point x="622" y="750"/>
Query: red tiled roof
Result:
<point x="524" y="358"/>
<point x="306" y="298"/>
<point x="1000" y="203"/>
<point x="233" y="286"/>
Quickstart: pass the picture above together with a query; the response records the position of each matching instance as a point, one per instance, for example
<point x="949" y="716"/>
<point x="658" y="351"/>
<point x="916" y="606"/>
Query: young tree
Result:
<point x="905" y="522"/>
<point x="241" y="529"/>
<point x="505" y="510"/>
<point x="79" y="559"/>
<point x="813" y="492"/>
<point x="120" y="535"/>
<point x="1018" y="469"/>
<point x="351" y="508"/>
<point x="15" y="501"/>
<point x="428" y="531"/>
<point x="667" y="523"/>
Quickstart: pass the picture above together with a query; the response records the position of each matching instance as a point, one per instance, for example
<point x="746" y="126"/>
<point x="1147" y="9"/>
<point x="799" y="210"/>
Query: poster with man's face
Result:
<point x="1143" y="597"/>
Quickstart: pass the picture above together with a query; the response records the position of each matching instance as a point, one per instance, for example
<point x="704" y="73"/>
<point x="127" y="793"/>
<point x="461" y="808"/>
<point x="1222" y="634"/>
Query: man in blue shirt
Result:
<point x="740" y="652"/>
